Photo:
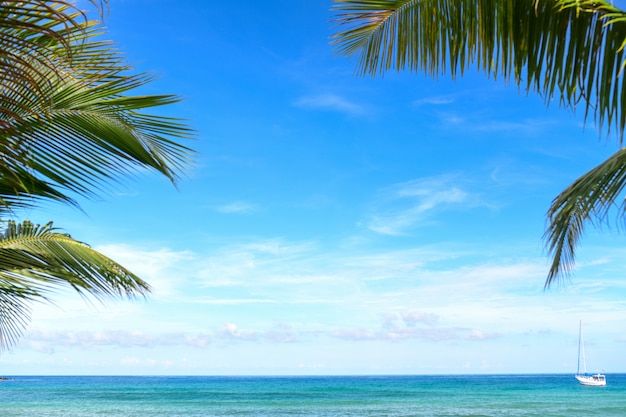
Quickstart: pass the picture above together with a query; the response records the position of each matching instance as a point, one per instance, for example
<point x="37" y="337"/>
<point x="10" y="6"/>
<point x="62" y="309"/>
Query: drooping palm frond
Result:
<point x="75" y="125"/>
<point x="19" y="188"/>
<point x="590" y="198"/>
<point x="35" y="260"/>
<point x="14" y="312"/>
<point x="571" y="48"/>
<point x="91" y="133"/>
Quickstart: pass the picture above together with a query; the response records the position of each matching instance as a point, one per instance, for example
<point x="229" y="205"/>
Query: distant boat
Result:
<point x="585" y="378"/>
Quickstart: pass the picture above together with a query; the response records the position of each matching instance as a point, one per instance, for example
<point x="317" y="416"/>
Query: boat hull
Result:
<point x="596" y="380"/>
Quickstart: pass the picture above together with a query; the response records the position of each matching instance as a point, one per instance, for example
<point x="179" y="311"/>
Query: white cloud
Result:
<point x="231" y="301"/>
<point x="411" y="204"/>
<point x="135" y="362"/>
<point x="154" y="266"/>
<point x="398" y="333"/>
<point x="481" y="123"/>
<point x="508" y="126"/>
<point x="331" y="102"/>
<point x="435" y="100"/>
<point x="411" y="318"/>
<point x="354" y="334"/>
<point x="253" y="263"/>
<point x="480" y="335"/>
<point x="236" y="207"/>
<point x="49" y="342"/>
<point x="231" y="331"/>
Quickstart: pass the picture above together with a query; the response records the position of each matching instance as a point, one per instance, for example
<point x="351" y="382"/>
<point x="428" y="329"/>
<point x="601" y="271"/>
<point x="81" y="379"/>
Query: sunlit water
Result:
<point x="501" y="396"/>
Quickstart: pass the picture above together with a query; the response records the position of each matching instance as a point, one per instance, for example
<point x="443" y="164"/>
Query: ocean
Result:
<point x="319" y="396"/>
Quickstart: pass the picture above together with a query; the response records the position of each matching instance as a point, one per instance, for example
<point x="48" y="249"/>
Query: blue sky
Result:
<point x="333" y="224"/>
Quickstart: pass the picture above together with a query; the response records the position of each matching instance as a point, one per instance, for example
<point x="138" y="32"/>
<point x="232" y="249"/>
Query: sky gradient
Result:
<point x="333" y="224"/>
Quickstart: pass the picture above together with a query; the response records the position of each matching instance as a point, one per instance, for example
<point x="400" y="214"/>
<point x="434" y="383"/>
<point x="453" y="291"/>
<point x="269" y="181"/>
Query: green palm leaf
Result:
<point x="35" y="260"/>
<point x="93" y="133"/>
<point x="68" y="119"/>
<point x="552" y="47"/>
<point x="590" y="198"/>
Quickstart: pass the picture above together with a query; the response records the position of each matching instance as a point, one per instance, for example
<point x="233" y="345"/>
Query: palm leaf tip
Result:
<point x="588" y="200"/>
<point x="42" y="257"/>
<point x="38" y="260"/>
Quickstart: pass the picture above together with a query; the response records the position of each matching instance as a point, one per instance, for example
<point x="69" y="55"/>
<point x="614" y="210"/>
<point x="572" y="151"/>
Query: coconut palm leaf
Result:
<point x="93" y="133"/>
<point x="35" y="260"/>
<point x="569" y="49"/>
<point x="589" y="199"/>
<point x="14" y="312"/>
<point x="68" y="119"/>
<point x="552" y="47"/>
<point x="20" y="189"/>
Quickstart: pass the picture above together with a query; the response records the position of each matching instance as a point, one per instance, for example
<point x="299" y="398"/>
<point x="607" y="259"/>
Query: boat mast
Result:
<point x="580" y="333"/>
<point x="581" y="348"/>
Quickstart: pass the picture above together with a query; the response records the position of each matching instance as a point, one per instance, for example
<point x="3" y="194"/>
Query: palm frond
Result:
<point x="35" y="260"/>
<point x="41" y="256"/>
<point x="92" y="134"/>
<point x="571" y="49"/>
<point x="14" y="312"/>
<point x="19" y="188"/>
<point x="590" y="198"/>
<point x="68" y="116"/>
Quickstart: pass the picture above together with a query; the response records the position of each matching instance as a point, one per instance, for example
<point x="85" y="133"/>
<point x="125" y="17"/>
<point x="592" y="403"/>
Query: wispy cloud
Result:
<point x="525" y="125"/>
<point x="330" y="102"/>
<point x="389" y="329"/>
<point x="237" y="207"/>
<point x="411" y="325"/>
<point x="480" y="123"/>
<point x="410" y="318"/>
<point x="410" y="204"/>
<point x="50" y="341"/>
<point x="399" y="334"/>
<point x="154" y="266"/>
<point x="435" y="100"/>
<point x="232" y="301"/>
<point x="480" y="335"/>
<point x="279" y="334"/>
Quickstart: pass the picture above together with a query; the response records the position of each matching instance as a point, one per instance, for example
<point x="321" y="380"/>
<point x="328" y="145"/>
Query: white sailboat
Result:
<point x="585" y="378"/>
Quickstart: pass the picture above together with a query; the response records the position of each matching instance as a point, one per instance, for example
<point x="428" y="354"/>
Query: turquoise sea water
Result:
<point x="391" y="396"/>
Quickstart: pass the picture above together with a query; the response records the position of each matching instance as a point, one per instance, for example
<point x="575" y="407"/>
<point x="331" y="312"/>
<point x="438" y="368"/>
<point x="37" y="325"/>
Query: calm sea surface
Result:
<point x="496" y="395"/>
